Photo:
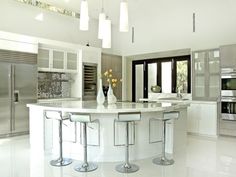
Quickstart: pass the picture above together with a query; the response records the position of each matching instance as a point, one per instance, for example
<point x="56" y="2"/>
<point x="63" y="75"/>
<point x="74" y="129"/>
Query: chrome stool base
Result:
<point x="86" y="167"/>
<point x="163" y="161"/>
<point x="127" y="168"/>
<point x="61" y="162"/>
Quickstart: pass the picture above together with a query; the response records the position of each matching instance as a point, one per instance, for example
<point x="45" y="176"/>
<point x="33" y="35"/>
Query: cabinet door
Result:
<point x="58" y="60"/>
<point x="71" y="61"/>
<point x="208" y="119"/>
<point x="214" y="74"/>
<point x="44" y="59"/>
<point x="199" y="74"/>
<point x="199" y="62"/>
<point x="228" y="56"/>
<point x="206" y="74"/>
<point x="193" y="118"/>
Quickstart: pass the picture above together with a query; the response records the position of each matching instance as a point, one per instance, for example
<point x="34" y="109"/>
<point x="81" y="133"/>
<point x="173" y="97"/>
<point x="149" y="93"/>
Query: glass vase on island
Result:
<point x="107" y="90"/>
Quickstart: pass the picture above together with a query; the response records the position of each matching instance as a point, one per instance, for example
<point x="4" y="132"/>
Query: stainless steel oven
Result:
<point x="228" y="108"/>
<point x="228" y="83"/>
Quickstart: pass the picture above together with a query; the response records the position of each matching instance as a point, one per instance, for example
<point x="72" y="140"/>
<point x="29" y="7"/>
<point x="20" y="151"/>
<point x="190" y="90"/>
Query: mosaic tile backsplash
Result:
<point x="53" y="85"/>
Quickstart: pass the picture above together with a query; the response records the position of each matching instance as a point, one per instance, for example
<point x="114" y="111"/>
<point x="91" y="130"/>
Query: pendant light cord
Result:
<point x="102" y="6"/>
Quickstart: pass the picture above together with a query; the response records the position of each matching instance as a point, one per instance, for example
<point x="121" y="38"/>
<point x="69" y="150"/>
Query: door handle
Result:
<point x="16" y="96"/>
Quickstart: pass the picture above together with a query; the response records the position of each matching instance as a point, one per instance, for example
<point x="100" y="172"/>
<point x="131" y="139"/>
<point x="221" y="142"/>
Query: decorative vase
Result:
<point x="111" y="98"/>
<point x="100" y="94"/>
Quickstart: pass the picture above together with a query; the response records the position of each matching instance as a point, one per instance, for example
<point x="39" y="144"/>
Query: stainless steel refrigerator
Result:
<point x="18" y="84"/>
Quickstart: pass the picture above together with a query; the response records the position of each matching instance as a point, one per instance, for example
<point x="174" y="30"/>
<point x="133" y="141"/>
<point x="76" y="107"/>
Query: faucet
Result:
<point x="179" y="94"/>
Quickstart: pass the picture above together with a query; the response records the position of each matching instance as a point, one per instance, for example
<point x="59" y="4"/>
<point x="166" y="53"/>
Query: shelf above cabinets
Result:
<point x="54" y="60"/>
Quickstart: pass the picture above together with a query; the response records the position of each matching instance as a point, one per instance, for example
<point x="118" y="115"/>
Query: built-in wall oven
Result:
<point x="228" y="108"/>
<point x="228" y="94"/>
<point x="228" y="84"/>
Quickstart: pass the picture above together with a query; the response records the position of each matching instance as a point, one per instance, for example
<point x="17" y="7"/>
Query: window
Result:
<point x="166" y="77"/>
<point x="182" y="76"/>
<point x="171" y="74"/>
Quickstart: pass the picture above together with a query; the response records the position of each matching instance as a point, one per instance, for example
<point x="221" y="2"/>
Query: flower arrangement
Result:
<point x="110" y="78"/>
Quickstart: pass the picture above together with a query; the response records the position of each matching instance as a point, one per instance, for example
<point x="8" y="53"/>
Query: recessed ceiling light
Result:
<point x="39" y="17"/>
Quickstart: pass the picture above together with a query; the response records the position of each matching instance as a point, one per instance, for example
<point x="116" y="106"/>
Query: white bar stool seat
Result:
<point x="84" y="119"/>
<point x="57" y="115"/>
<point x="163" y="160"/>
<point x="127" y="167"/>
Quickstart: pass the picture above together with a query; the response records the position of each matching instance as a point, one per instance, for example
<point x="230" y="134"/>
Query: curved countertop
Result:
<point x="93" y="107"/>
<point x="176" y="100"/>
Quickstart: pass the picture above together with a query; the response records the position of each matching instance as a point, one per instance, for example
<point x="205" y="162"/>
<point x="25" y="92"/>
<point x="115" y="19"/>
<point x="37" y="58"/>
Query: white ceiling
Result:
<point x="111" y="7"/>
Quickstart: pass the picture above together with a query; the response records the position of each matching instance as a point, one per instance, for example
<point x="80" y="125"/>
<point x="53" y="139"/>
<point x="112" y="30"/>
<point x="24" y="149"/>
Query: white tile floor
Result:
<point x="203" y="157"/>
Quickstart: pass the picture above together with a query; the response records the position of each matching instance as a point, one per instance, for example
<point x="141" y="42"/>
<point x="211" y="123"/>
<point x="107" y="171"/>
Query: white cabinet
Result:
<point x="193" y="118"/>
<point x="58" y="58"/>
<point x="54" y="60"/>
<point x="202" y="119"/>
<point x="43" y="59"/>
<point x="71" y="61"/>
<point x="206" y="74"/>
<point x="228" y="56"/>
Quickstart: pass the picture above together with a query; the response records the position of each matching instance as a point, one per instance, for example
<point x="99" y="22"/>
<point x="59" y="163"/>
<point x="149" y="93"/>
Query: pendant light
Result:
<point x="84" y="18"/>
<point x="106" y="41"/>
<point x="124" y="21"/>
<point x="102" y="18"/>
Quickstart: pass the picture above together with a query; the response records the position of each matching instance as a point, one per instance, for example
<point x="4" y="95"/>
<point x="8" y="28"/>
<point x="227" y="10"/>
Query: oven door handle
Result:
<point x="228" y="99"/>
<point x="229" y="109"/>
<point x="231" y="76"/>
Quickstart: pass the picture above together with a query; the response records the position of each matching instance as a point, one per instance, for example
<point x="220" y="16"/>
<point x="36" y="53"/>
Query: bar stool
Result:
<point x="57" y="115"/>
<point x="83" y="119"/>
<point x="127" y="167"/>
<point x="163" y="160"/>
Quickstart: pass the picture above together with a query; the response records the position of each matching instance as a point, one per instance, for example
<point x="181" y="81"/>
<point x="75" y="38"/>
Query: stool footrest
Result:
<point x="61" y="162"/>
<point x="163" y="161"/>
<point x="124" y="168"/>
<point x="86" y="167"/>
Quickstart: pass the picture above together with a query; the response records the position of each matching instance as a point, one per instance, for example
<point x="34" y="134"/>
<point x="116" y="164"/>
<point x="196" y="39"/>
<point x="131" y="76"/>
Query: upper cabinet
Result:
<point x="43" y="58"/>
<point x="54" y="60"/>
<point x="58" y="60"/>
<point x="228" y="56"/>
<point x="206" y="74"/>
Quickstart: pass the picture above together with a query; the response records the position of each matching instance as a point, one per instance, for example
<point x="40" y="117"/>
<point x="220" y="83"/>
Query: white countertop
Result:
<point x="93" y="107"/>
<point x="58" y="99"/>
<point x="189" y="101"/>
<point x="172" y="98"/>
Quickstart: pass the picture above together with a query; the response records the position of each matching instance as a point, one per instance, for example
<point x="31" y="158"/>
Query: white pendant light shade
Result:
<point x="102" y="18"/>
<point x="84" y="18"/>
<point x="124" y="22"/>
<point x="106" y="41"/>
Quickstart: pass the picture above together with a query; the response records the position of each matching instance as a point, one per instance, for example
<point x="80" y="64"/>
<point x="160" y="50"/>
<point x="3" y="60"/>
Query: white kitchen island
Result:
<point x="44" y="132"/>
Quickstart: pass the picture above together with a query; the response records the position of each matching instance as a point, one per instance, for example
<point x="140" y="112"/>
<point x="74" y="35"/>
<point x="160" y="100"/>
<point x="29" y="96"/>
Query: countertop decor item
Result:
<point x="100" y="94"/>
<point x="156" y="89"/>
<point x="112" y="82"/>
<point x="111" y="98"/>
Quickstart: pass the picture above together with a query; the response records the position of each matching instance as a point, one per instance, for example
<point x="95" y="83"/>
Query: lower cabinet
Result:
<point x="202" y="119"/>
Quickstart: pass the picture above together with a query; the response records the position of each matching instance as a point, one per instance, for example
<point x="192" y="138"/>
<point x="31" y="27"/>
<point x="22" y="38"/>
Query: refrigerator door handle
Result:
<point x="16" y="96"/>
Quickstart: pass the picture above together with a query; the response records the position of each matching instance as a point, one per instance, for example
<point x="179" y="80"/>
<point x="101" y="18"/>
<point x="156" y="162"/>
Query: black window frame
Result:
<point x="145" y="63"/>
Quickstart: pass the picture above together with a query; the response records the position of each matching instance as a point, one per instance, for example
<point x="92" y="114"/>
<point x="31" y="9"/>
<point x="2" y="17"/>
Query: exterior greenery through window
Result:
<point x="182" y="76"/>
<point x="172" y="74"/>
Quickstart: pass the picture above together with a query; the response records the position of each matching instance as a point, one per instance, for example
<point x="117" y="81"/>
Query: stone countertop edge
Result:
<point x="180" y="101"/>
<point x="92" y="107"/>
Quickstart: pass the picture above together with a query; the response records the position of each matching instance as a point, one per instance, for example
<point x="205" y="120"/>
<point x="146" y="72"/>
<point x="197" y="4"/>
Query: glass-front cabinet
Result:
<point x="43" y="58"/>
<point x="71" y="62"/>
<point x="206" y="74"/>
<point x="58" y="60"/>
<point x="54" y="60"/>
